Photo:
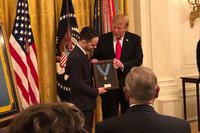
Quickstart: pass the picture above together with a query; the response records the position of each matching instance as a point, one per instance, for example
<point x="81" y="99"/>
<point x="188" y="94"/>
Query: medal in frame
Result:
<point x="105" y="75"/>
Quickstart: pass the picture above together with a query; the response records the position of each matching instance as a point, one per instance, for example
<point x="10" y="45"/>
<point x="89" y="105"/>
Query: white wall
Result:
<point x="169" y="46"/>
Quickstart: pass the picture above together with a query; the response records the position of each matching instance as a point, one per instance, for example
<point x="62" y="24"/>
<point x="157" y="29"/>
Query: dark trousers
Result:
<point x="111" y="101"/>
<point x="88" y="120"/>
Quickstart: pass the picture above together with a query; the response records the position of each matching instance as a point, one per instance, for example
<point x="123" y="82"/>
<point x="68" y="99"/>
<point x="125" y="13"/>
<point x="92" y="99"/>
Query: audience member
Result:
<point x="49" y="118"/>
<point x="142" y="89"/>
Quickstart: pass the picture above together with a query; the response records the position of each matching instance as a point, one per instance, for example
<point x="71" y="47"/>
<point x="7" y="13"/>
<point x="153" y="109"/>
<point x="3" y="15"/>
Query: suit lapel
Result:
<point x="124" y="46"/>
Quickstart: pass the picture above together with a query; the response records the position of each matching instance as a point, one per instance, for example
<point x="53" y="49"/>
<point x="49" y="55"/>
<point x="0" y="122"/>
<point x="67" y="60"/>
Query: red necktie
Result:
<point x="118" y="49"/>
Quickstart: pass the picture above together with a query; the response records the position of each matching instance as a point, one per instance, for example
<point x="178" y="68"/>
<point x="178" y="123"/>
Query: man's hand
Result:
<point x="118" y="64"/>
<point x="102" y="90"/>
<point x="58" y="58"/>
<point x="94" y="60"/>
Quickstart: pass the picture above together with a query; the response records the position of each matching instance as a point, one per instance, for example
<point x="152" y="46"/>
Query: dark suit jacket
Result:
<point x="143" y="119"/>
<point x="131" y="52"/>
<point x="78" y="67"/>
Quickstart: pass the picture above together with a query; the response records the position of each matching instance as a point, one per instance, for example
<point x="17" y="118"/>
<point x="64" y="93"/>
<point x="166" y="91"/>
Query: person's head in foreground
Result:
<point x="141" y="86"/>
<point x="49" y="118"/>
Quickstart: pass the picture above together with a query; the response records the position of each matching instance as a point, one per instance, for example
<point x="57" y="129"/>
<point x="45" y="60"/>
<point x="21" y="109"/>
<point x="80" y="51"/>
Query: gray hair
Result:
<point x="141" y="83"/>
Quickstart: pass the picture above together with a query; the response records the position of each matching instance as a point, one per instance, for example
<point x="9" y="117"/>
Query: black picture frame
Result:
<point x="9" y="104"/>
<point x="105" y="78"/>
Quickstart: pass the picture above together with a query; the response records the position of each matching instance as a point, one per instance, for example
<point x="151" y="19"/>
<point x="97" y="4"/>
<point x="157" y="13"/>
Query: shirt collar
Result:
<point x="81" y="49"/>
<point x="122" y="38"/>
<point x="150" y="104"/>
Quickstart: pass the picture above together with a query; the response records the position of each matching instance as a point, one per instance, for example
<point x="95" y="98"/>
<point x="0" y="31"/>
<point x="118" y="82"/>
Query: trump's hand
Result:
<point x="118" y="64"/>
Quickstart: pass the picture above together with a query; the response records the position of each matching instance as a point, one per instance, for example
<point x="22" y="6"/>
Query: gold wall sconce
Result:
<point x="195" y="13"/>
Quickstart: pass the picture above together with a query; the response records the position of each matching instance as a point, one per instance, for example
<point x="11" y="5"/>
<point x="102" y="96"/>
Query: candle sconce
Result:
<point x="195" y="13"/>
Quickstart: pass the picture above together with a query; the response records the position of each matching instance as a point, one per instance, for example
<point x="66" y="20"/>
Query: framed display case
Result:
<point x="105" y="75"/>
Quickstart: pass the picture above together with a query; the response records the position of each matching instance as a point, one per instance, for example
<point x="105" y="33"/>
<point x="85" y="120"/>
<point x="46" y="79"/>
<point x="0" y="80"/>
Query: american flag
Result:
<point x="23" y="56"/>
<point x="67" y="36"/>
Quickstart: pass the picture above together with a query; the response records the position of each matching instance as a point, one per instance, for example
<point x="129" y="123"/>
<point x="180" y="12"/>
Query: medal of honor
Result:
<point x="102" y="72"/>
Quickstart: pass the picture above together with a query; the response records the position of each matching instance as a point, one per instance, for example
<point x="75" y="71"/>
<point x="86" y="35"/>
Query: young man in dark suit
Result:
<point x="126" y="51"/>
<point x="78" y="67"/>
<point x="142" y="89"/>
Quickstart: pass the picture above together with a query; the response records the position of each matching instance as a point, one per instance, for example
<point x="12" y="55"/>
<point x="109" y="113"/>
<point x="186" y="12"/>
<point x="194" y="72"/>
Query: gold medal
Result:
<point x="105" y="78"/>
